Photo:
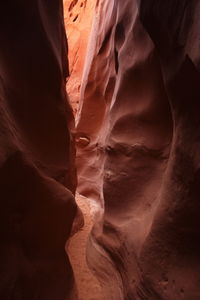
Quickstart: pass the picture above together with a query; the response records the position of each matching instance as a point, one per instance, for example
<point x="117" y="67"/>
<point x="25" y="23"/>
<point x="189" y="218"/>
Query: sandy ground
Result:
<point x="88" y="286"/>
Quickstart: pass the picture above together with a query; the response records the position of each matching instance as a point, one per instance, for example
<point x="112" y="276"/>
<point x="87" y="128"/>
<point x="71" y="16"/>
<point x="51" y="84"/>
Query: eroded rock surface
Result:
<point x="78" y="19"/>
<point x="88" y="287"/>
<point x="140" y="117"/>
<point x="138" y="133"/>
<point x="37" y="177"/>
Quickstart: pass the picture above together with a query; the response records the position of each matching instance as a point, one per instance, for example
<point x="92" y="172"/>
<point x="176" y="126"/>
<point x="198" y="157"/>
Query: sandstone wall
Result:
<point x="138" y="133"/>
<point x="37" y="177"/>
<point x="78" y="18"/>
<point x="137" y="140"/>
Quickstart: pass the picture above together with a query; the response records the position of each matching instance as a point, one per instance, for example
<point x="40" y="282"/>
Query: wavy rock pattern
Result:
<point x="138" y="133"/>
<point x="138" y="148"/>
<point x="37" y="177"/>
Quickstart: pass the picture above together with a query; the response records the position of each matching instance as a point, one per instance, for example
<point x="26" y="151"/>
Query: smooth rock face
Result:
<point x="140" y="117"/>
<point x="138" y="133"/>
<point x="37" y="177"/>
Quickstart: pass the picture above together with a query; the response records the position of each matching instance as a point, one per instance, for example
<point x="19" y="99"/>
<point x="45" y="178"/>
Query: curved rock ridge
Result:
<point x="138" y="133"/>
<point x="138" y="148"/>
<point x="37" y="174"/>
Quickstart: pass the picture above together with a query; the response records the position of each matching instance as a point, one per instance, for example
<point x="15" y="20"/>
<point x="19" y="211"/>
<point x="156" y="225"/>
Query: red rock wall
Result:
<point x="37" y="177"/>
<point x="138" y="148"/>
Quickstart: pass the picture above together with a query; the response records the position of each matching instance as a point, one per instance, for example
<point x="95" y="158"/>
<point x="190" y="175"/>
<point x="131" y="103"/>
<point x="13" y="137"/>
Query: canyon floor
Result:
<point x="88" y="286"/>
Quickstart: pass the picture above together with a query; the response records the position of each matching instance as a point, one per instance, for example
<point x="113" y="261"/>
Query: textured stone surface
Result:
<point x="78" y="20"/>
<point x="37" y="175"/>
<point x="138" y="133"/>
<point x="138" y="139"/>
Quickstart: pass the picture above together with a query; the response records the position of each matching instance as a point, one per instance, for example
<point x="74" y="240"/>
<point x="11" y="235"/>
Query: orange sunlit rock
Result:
<point x="78" y="21"/>
<point x="138" y="149"/>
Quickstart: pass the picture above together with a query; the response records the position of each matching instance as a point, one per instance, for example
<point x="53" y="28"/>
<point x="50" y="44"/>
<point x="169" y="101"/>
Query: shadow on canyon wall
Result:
<point x="137" y="140"/>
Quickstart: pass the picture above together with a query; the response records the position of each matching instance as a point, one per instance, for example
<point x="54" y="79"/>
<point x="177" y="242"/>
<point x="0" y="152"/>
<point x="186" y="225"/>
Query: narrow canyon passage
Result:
<point x="78" y="22"/>
<point x="100" y="107"/>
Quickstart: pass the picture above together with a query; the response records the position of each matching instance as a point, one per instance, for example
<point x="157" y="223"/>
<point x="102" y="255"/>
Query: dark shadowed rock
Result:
<point x="37" y="177"/>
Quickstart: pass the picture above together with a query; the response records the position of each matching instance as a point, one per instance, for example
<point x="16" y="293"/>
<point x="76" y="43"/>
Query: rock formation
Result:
<point x="137" y="139"/>
<point x="138" y="148"/>
<point x="78" y="18"/>
<point x="37" y="176"/>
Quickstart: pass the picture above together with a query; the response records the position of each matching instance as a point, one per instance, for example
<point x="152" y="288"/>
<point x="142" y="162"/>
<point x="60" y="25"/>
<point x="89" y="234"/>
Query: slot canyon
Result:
<point x="100" y="150"/>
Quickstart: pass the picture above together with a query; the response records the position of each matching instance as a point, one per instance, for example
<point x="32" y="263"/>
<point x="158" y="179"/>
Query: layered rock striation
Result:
<point x="137" y="139"/>
<point x="138" y="148"/>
